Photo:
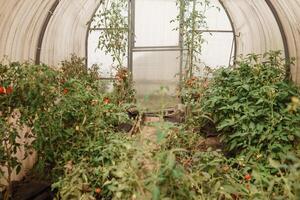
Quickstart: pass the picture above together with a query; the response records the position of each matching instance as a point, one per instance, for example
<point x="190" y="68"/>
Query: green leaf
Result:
<point x="156" y="193"/>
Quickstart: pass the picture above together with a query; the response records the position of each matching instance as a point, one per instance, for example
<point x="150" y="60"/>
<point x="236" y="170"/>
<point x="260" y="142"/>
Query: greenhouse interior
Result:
<point x="150" y="99"/>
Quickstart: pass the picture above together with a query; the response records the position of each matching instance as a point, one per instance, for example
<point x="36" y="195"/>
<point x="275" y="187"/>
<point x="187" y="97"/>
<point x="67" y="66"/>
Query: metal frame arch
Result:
<point x="66" y="32"/>
<point x="88" y="32"/>
<point x="259" y="31"/>
<point x="233" y="29"/>
<point x="283" y="35"/>
<point x="42" y="33"/>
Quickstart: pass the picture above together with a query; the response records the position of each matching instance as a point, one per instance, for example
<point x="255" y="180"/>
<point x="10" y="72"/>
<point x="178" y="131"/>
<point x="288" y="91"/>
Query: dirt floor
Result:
<point x="149" y="136"/>
<point x="157" y="102"/>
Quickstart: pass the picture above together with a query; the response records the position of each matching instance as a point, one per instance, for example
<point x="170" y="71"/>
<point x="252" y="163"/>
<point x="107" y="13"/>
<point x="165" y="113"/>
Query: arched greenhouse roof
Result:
<point x="50" y="30"/>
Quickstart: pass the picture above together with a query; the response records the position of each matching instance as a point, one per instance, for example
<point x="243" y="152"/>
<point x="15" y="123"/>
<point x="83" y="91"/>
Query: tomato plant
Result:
<point x="249" y="105"/>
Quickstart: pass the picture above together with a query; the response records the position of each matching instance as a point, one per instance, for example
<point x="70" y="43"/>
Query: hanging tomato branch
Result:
<point x="112" y="20"/>
<point x="191" y="20"/>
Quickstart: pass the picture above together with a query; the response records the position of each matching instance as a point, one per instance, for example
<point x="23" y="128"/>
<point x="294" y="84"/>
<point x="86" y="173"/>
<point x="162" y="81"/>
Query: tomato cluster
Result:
<point x="7" y="90"/>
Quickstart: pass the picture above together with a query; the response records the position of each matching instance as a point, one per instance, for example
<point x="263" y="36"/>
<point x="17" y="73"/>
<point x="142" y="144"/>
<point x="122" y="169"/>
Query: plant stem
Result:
<point x="9" y="170"/>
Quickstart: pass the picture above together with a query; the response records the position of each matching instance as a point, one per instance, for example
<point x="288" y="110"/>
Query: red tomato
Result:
<point x="106" y="100"/>
<point x="65" y="91"/>
<point x="247" y="177"/>
<point x="2" y="90"/>
<point x="98" y="190"/>
<point x="9" y="90"/>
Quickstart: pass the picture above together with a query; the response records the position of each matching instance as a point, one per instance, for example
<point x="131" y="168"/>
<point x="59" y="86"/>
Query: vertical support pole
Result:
<point x="231" y="51"/>
<point x="191" y="49"/>
<point x="233" y="29"/>
<point x="131" y="16"/>
<point x="133" y="7"/>
<point x="88" y="33"/>
<point x="181" y="42"/>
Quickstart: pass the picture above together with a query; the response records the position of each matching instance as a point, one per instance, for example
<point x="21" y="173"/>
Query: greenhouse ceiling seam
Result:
<point x="233" y="29"/>
<point x="43" y="31"/>
<point x="283" y="34"/>
<point x="89" y="29"/>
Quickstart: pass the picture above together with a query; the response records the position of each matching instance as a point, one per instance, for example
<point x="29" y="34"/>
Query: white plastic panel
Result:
<point x="152" y="23"/>
<point x="255" y="25"/>
<point x="66" y="33"/>
<point x="217" y="50"/>
<point x="107" y="6"/>
<point x="151" y="70"/>
<point x="21" y="23"/>
<point x="98" y="57"/>
<point x="289" y="14"/>
<point x="216" y="17"/>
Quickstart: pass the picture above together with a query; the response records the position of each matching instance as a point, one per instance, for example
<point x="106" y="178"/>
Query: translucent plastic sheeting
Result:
<point x="152" y="23"/>
<point x="289" y="15"/>
<point x="66" y="33"/>
<point x="98" y="57"/>
<point x="217" y="50"/>
<point x="20" y="26"/>
<point x="216" y="17"/>
<point x="21" y="23"/>
<point x="255" y="25"/>
<point x="105" y="6"/>
<point x="153" y="70"/>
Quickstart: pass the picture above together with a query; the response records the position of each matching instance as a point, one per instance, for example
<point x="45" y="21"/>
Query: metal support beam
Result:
<point x="181" y="45"/>
<point x="233" y="29"/>
<point x="103" y="29"/>
<point x="214" y="31"/>
<point x="43" y="31"/>
<point x="283" y="35"/>
<point x="131" y="16"/>
<point x="155" y="49"/>
<point x="88" y="33"/>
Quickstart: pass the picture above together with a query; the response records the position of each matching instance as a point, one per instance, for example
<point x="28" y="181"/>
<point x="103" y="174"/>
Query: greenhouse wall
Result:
<point x="289" y="15"/>
<point x="49" y="31"/>
<point x="255" y="26"/>
<point x="21" y="24"/>
<point x="66" y="32"/>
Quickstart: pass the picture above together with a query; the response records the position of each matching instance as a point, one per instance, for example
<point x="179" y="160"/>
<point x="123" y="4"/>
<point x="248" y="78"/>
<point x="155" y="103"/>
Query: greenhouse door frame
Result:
<point x="180" y="47"/>
<point x="132" y="48"/>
